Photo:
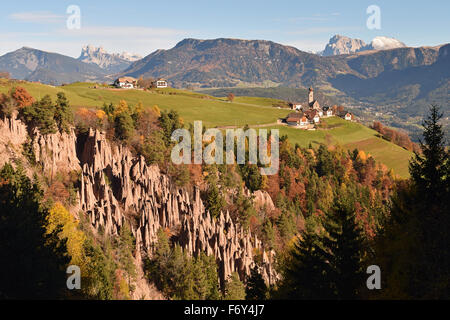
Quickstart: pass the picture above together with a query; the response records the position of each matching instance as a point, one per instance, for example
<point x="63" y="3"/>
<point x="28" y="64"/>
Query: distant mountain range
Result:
<point x="344" y="45"/>
<point x="400" y="78"/>
<point x="233" y="62"/>
<point x="111" y="63"/>
<point x="46" y="67"/>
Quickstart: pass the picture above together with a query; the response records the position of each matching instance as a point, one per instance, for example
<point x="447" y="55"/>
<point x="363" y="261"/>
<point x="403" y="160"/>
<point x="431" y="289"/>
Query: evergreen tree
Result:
<point x="324" y="161"/>
<point x="419" y="268"/>
<point x="234" y="288"/>
<point x="169" y="122"/>
<point x="63" y="113"/>
<point x="345" y="246"/>
<point x="124" y="126"/>
<point x="99" y="282"/>
<point x="41" y="115"/>
<point x="125" y="247"/>
<point x="33" y="262"/>
<point x="327" y="264"/>
<point x="256" y="288"/>
<point x="306" y="271"/>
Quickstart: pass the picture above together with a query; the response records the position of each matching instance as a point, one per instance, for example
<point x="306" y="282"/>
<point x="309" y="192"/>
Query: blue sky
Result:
<point x="144" y="26"/>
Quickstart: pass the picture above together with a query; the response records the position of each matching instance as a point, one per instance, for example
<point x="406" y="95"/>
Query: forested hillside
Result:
<point x="307" y="232"/>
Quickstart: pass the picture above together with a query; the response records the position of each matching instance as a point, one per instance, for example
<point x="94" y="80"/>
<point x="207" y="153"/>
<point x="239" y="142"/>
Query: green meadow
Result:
<point x="214" y="112"/>
<point x="191" y="106"/>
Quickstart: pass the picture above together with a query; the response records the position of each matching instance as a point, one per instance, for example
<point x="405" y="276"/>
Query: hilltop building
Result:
<point x="293" y="119"/>
<point x="160" y="83"/>
<point x="307" y="118"/>
<point x="313" y="104"/>
<point x="295" y="105"/>
<point x="349" y="116"/>
<point x="327" y="111"/>
<point x="125" y="83"/>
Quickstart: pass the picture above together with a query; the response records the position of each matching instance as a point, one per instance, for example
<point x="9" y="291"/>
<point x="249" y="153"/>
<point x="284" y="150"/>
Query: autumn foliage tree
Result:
<point x="395" y="136"/>
<point x="21" y="97"/>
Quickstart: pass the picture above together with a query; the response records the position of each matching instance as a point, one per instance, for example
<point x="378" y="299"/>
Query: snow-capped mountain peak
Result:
<point x="385" y="43"/>
<point x="344" y="45"/>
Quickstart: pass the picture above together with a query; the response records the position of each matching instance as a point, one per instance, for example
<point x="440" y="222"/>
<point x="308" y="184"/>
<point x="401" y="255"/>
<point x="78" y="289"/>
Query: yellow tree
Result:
<point x="60" y="216"/>
<point x="121" y="107"/>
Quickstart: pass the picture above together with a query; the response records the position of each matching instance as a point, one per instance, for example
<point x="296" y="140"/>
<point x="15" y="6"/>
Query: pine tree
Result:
<point x="234" y="288"/>
<point x="429" y="170"/>
<point x="418" y="229"/>
<point x="33" y="262"/>
<point x="63" y="113"/>
<point x="326" y="261"/>
<point x="306" y="271"/>
<point x="345" y="246"/>
<point x="124" y="126"/>
<point x="256" y="288"/>
<point x="41" y="115"/>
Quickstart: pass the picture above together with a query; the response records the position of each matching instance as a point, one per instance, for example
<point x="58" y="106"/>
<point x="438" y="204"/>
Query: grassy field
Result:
<point x="191" y="106"/>
<point x="215" y="111"/>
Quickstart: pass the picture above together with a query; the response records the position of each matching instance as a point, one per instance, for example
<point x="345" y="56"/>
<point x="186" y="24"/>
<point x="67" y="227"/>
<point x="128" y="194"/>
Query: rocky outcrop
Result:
<point x="56" y="152"/>
<point x="13" y="133"/>
<point x="114" y="184"/>
<point x="262" y="201"/>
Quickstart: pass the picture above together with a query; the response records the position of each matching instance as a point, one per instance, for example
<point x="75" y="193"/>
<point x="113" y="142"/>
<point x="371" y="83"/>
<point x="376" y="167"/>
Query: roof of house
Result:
<point x="126" y="79"/>
<point x="296" y="115"/>
<point x="310" y="114"/>
<point x="313" y="103"/>
<point x="292" y="120"/>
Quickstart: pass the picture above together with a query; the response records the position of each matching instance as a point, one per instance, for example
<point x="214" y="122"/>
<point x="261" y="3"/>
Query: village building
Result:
<point x="313" y="104"/>
<point x="313" y="116"/>
<point x="306" y="118"/>
<point x="349" y="116"/>
<point x="295" y="106"/>
<point x="160" y="83"/>
<point x="293" y="119"/>
<point x="327" y="111"/>
<point x="125" y="83"/>
<point x="304" y="121"/>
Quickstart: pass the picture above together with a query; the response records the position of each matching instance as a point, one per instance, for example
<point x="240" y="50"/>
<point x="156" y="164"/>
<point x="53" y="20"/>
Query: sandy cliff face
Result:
<point x="115" y="185"/>
<point x="114" y="182"/>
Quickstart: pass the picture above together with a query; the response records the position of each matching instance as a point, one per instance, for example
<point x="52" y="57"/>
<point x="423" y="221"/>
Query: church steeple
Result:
<point x="311" y="95"/>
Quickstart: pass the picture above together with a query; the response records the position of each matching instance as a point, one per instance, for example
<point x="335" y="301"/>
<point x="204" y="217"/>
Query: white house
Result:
<point x="160" y="83"/>
<point x="348" y="116"/>
<point x="304" y="121"/>
<point x="296" y="106"/>
<point x="125" y="82"/>
<point x="327" y="112"/>
<point x="293" y="119"/>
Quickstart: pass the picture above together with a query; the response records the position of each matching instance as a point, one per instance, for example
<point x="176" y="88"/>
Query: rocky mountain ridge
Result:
<point x="344" y="45"/>
<point x="110" y="62"/>
<point x="47" y="67"/>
